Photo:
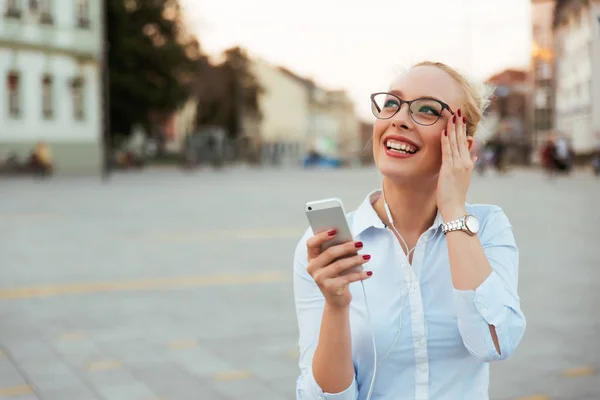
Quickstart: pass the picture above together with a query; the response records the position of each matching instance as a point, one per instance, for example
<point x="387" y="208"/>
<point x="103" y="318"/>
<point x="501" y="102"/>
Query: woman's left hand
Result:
<point x="457" y="165"/>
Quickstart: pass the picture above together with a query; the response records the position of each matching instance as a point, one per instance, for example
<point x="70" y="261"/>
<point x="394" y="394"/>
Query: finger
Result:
<point x="344" y="265"/>
<point x="461" y="138"/>
<point x="353" y="277"/>
<point x="315" y="243"/>
<point x="332" y="254"/>
<point x="452" y="139"/>
<point x="338" y="285"/>
<point x="446" y="150"/>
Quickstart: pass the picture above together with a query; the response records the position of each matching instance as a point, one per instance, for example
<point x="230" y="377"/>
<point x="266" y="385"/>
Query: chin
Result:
<point x="406" y="173"/>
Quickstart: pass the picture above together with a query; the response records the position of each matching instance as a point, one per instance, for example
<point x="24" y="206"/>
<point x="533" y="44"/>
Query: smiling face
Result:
<point x="404" y="149"/>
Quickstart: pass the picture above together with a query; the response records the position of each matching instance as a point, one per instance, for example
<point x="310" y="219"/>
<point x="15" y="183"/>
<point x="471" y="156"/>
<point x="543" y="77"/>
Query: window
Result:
<point x="47" y="96"/>
<point x="14" y="100"/>
<point x="13" y="9"/>
<point x="83" y="17"/>
<point x="46" y="12"/>
<point x="78" y="98"/>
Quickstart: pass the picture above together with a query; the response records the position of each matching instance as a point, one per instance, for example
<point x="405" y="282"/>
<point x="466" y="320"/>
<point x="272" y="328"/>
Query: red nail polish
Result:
<point x="369" y="273"/>
<point x="458" y="112"/>
<point x="366" y="257"/>
<point x="331" y="232"/>
<point x="445" y="132"/>
<point x="358" y="245"/>
<point x="454" y="119"/>
<point x="464" y="120"/>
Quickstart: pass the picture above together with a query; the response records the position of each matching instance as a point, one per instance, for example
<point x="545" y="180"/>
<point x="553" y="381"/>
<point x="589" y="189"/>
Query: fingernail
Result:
<point x="464" y="120"/>
<point x="445" y="132"/>
<point x="454" y="119"/>
<point x="369" y="273"/>
<point x="358" y="245"/>
<point x="458" y="112"/>
<point x="331" y="232"/>
<point x="366" y="257"/>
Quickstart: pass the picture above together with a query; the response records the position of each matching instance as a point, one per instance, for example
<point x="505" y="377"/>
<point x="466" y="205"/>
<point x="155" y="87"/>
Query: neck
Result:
<point x="413" y="207"/>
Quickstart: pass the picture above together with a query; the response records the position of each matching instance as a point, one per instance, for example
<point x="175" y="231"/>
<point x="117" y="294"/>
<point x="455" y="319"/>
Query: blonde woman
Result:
<point x="438" y="299"/>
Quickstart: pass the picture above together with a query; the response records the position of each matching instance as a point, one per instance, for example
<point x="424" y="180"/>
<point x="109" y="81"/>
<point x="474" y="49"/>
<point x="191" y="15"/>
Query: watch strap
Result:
<point x="456" y="225"/>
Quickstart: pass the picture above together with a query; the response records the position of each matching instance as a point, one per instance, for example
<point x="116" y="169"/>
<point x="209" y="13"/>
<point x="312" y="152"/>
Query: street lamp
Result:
<point x="104" y="81"/>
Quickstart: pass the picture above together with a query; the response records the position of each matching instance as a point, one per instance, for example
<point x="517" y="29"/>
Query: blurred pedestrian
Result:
<point x="547" y="156"/>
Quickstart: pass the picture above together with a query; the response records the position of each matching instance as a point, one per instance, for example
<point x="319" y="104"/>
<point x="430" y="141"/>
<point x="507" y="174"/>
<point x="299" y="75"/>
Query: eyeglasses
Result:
<point x="424" y="111"/>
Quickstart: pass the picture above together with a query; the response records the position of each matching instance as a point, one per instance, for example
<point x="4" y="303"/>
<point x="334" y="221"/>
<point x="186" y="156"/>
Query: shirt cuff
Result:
<point x="309" y="389"/>
<point x="488" y="301"/>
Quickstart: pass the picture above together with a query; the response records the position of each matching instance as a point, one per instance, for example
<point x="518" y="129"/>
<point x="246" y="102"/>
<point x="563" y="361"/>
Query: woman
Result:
<point x="441" y="294"/>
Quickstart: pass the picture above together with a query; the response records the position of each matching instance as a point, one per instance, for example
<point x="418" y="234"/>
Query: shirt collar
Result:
<point x="365" y="216"/>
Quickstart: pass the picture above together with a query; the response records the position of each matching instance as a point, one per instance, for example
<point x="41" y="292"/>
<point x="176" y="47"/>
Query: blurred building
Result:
<point x="366" y="143"/>
<point x="298" y="115"/>
<point x="507" y="117"/>
<point x="284" y="105"/>
<point x="542" y="71"/>
<point x="49" y="64"/>
<point x="577" y="44"/>
<point x="347" y="137"/>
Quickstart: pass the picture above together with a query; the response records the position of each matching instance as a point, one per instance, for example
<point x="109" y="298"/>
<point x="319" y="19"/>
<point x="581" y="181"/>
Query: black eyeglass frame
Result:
<point x="409" y="102"/>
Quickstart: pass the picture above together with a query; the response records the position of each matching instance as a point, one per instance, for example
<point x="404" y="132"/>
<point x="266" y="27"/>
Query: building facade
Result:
<point x="542" y="71"/>
<point x="50" y="52"/>
<point x="298" y="116"/>
<point x="285" y="109"/>
<point x="577" y="47"/>
<point x="507" y="118"/>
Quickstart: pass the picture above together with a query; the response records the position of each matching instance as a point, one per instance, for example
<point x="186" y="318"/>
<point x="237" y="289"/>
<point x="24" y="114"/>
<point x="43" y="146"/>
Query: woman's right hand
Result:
<point x="330" y="269"/>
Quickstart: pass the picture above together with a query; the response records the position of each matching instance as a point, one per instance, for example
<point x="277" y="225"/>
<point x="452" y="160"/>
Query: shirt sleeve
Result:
<point x="495" y="302"/>
<point x="310" y="303"/>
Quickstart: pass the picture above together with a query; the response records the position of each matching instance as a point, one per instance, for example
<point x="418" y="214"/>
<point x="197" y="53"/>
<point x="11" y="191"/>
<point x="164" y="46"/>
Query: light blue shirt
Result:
<point x="445" y="343"/>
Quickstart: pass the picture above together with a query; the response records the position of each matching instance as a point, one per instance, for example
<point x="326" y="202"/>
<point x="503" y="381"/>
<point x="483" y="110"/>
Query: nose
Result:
<point x="402" y="119"/>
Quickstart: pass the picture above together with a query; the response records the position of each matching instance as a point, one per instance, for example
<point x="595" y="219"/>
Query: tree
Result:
<point x="227" y="92"/>
<point x="152" y="61"/>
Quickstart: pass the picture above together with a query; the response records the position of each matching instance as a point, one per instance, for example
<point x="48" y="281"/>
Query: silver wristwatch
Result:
<point x="468" y="224"/>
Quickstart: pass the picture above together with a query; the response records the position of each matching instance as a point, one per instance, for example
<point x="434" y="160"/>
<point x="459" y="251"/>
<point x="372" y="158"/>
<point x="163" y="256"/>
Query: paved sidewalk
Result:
<point x="176" y="286"/>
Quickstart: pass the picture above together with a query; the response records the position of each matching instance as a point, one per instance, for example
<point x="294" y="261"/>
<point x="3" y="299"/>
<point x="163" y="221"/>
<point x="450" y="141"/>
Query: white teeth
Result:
<point x="402" y="147"/>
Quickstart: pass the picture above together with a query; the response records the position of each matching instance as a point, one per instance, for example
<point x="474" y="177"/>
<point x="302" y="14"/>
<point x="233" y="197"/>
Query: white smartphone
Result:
<point x="327" y="214"/>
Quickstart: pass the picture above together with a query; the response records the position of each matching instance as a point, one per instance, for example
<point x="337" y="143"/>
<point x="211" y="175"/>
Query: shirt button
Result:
<point x="479" y="299"/>
<point x="423" y="367"/>
<point x="407" y="279"/>
<point x="484" y="311"/>
<point x="422" y="342"/>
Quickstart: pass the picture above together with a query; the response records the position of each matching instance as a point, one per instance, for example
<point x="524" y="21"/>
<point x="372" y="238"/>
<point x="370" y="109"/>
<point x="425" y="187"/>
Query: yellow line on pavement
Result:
<point x="231" y="376"/>
<point x="534" y="397"/>
<point x="219" y="234"/>
<point x="164" y="283"/>
<point x="71" y="336"/>
<point x="15" y="391"/>
<point x="182" y="344"/>
<point x="104" y="365"/>
<point x="579" y="372"/>
<point x="27" y="216"/>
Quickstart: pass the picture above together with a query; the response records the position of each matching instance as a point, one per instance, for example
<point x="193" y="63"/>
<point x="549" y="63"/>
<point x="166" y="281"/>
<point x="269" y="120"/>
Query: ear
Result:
<point x="470" y="140"/>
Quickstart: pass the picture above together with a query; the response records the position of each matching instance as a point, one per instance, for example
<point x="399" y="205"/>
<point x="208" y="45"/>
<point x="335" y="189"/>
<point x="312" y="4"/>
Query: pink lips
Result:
<point x="399" y="138"/>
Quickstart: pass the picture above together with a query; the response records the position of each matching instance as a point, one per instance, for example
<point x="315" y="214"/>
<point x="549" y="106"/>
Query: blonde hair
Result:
<point x="476" y="98"/>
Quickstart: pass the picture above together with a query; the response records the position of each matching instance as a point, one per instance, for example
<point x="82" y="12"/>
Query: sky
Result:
<point x="360" y="45"/>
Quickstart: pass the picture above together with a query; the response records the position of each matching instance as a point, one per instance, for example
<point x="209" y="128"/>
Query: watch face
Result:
<point x="472" y="224"/>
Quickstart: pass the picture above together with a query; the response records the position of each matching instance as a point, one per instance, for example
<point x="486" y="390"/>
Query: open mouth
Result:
<point x="400" y="147"/>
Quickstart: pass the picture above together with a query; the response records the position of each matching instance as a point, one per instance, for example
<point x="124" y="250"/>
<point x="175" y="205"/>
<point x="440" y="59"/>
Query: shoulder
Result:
<point x="485" y="212"/>
<point x="492" y="219"/>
